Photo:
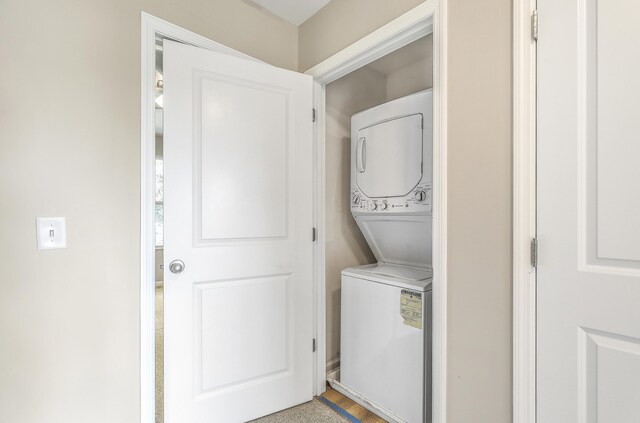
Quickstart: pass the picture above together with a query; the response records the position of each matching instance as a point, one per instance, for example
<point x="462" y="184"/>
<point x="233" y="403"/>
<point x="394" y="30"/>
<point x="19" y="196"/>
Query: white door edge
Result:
<point x="151" y="27"/>
<point x="320" y="365"/>
<point x="428" y="17"/>
<point x="524" y="213"/>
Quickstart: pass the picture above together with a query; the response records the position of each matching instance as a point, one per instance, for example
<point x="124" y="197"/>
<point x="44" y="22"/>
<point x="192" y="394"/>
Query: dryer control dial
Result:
<point x="355" y="200"/>
<point x="384" y="205"/>
<point x="421" y="196"/>
<point x="374" y="206"/>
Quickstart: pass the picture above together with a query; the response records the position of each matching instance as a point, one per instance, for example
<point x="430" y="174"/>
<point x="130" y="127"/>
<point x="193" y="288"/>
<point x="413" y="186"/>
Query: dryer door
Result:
<point x="388" y="157"/>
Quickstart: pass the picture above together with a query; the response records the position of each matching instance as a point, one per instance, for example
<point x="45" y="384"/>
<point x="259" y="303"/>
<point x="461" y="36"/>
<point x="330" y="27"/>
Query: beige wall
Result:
<point x="479" y="322"/>
<point x="69" y="146"/>
<point x="345" y="245"/>
<point x="479" y="303"/>
<point x="411" y="79"/>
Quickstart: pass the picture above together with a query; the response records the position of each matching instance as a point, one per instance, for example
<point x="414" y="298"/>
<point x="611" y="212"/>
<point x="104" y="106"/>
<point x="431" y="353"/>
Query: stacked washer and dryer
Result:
<point x="385" y="359"/>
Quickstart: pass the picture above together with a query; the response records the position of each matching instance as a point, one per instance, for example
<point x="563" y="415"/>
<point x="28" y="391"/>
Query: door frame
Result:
<point x="151" y="29"/>
<point x="428" y="17"/>
<point x="524" y="212"/>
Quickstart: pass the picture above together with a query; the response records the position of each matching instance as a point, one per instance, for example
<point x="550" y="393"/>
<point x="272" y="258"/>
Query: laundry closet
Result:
<point x="378" y="212"/>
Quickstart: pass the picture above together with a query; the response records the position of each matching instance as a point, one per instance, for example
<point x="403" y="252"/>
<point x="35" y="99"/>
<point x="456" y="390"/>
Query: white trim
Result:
<point x="152" y="27"/>
<point x="379" y="410"/>
<point x="334" y="374"/>
<point x="524" y="213"/>
<point x="334" y="364"/>
<point x="147" y="239"/>
<point x="319" y="260"/>
<point x="440" y="212"/>
<point x="418" y="22"/>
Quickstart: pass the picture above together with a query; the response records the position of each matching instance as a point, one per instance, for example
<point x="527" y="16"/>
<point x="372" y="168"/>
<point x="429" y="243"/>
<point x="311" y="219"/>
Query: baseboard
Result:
<point x="333" y="364"/>
<point x="333" y="375"/>
<point x="356" y="397"/>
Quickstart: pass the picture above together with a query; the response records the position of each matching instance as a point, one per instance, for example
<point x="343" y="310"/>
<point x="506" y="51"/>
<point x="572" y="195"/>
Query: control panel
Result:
<point x="418" y="200"/>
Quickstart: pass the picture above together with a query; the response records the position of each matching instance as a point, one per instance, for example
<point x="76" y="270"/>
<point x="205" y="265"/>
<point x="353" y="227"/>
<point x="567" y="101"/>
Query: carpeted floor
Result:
<point x="310" y="412"/>
<point x="159" y="356"/>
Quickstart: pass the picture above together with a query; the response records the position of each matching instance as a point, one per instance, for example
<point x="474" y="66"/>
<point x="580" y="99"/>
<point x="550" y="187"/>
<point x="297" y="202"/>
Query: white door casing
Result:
<point x="428" y="17"/>
<point x="588" y="352"/>
<point x="238" y="213"/>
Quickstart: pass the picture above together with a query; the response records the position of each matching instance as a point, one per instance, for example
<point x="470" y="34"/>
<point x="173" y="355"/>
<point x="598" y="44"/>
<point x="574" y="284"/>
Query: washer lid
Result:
<point x="418" y="279"/>
<point x="399" y="239"/>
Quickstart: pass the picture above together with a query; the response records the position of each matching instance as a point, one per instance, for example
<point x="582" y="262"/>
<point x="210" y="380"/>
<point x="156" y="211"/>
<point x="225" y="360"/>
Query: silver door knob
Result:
<point x="176" y="266"/>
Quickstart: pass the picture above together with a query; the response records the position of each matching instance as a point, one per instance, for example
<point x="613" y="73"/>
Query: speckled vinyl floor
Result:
<point x="310" y="412"/>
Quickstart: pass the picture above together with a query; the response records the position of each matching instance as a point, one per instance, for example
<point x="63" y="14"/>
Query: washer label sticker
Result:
<point x="411" y="308"/>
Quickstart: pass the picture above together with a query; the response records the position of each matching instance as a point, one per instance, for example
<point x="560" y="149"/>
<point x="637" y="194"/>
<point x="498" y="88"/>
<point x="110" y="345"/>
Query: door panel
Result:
<point x="588" y="212"/>
<point x="237" y="172"/>
<point x="238" y="213"/>
<point x="611" y="370"/>
<point x="613" y="63"/>
<point x="257" y="318"/>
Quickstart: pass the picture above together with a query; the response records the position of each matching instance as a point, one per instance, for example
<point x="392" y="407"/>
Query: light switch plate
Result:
<point x="51" y="233"/>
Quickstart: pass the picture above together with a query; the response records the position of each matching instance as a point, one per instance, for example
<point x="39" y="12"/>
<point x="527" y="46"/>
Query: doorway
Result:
<point x="421" y="21"/>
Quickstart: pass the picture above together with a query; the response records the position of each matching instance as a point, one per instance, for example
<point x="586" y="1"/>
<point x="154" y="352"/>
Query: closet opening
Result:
<point x="378" y="233"/>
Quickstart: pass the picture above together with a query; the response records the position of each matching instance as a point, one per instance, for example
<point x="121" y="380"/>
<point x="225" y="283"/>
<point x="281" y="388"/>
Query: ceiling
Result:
<point x="294" y="11"/>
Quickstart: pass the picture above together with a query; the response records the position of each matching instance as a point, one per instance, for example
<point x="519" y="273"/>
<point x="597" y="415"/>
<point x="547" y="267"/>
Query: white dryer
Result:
<point x="385" y="354"/>
<point x="391" y="178"/>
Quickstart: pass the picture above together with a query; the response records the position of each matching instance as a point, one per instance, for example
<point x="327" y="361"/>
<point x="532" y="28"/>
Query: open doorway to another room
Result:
<point x="159" y="237"/>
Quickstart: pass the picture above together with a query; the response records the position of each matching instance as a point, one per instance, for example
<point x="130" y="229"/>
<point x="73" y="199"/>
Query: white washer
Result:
<point x="385" y="337"/>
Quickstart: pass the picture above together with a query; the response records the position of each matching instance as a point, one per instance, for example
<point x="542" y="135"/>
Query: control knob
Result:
<point x="374" y="206"/>
<point x="384" y="205"/>
<point x="355" y="200"/>
<point x="421" y="196"/>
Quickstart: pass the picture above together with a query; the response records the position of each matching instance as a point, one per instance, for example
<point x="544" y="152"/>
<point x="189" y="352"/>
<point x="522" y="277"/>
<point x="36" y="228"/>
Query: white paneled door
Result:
<point x="238" y="219"/>
<point x="588" y="212"/>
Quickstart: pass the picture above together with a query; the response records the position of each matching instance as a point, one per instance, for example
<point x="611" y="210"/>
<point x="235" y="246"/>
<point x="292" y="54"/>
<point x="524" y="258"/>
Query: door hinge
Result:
<point x="313" y="346"/>
<point x="313" y="114"/>
<point x="534" y="25"/>
<point x="314" y="234"/>
<point x="534" y="252"/>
